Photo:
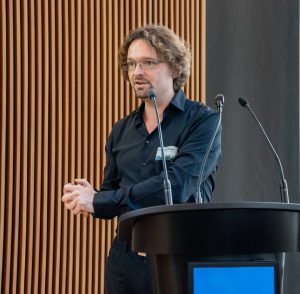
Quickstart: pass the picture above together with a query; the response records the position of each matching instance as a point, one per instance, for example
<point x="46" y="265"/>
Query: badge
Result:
<point x="170" y="152"/>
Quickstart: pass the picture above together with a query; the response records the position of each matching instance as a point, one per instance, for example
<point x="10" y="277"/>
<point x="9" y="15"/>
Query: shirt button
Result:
<point x="147" y="142"/>
<point x="144" y="163"/>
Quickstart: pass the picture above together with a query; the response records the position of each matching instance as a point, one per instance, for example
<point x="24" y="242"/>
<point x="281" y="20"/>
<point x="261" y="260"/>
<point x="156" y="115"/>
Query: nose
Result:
<point x="138" y="69"/>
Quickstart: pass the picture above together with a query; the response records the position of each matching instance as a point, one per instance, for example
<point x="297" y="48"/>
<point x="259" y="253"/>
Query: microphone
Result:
<point x="283" y="185"/>
<point x="167" y="183"/>
<point x="219" y="101"/>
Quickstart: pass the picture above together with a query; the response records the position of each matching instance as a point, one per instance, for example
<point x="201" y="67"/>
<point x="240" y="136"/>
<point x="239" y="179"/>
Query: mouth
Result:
<point x="141" y="88"/>
<point x="140" y="82"/>
<point x="140" y="85"/>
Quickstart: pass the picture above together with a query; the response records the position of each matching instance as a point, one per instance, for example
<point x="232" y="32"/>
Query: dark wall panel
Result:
<point x="253" y="51"/>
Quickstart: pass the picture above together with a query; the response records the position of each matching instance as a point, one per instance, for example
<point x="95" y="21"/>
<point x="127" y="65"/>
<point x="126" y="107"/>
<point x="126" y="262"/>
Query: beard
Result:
<point x="141" y="90"/>
<point x="141" y="94"/>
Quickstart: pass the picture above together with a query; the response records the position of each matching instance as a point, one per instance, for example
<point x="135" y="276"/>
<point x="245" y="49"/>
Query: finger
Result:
<point x="69" y="196"/>
<point x="85" y="214"/>
<point x="67" y="204"/>
<point x="77" y="212"/>
<point x="82" y="182"/>
<point x="69" y="188"/>
<point x="72" y="204"/>
<point x="79" y="209"/>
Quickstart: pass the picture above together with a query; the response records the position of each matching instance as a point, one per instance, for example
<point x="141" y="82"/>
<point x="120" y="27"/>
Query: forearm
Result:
<point x="108" y="204"/>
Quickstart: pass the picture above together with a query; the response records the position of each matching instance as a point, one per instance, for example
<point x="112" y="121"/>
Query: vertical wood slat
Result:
<point x="8" y="168"/>
<point x="52" y="155"/>
<point x="61" y="92"/>
<point x="91" y="137"/>
<point x="78" y="124"/>
<point x="65" y="132"/>
<point x="31" y="142"/>
<point x="45" y="143"/>
<point x="17" y="146"/>
<point x="71" y="132"/>
<point x="3" y="127"/>
<point x="58" y="143"/>
<point x="37" y="148"/>
<point x="83" y="243"/>
<point x="24" y="145"/>
<point x="98" y="276"/>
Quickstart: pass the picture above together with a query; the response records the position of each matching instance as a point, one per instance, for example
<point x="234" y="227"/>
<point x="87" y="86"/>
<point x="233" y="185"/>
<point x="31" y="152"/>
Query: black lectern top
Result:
<point x="213" y="228"/>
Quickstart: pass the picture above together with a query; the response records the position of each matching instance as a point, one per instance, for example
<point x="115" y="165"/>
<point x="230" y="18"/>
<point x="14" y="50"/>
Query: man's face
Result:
<point x="147" y="71"/>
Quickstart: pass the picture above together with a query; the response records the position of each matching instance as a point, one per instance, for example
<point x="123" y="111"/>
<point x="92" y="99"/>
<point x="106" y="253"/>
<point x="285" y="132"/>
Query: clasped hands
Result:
<point x="79" y="197"/>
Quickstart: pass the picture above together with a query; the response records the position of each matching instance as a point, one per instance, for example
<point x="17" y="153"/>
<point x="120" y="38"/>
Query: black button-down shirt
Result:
<point x="133" y="176"/>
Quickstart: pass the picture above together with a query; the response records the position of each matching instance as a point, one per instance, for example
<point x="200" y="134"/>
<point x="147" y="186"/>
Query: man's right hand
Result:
<point x="79" y="197"/>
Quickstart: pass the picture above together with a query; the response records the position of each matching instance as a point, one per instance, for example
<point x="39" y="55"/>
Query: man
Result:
<point x="152" y="57"/>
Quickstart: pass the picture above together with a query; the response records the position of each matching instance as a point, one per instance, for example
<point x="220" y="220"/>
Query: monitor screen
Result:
<point x="234" y="277"/>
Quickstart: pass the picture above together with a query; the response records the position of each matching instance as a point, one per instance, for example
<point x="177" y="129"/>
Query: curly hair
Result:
<point x="169" y="48"/>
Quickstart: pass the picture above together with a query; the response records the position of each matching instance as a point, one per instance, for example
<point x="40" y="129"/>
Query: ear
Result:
<point x="173" y="73"/>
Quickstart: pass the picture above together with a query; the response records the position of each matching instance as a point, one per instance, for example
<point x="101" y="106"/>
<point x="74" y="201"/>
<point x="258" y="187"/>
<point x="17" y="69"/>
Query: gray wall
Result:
<point x="253" y="51"/>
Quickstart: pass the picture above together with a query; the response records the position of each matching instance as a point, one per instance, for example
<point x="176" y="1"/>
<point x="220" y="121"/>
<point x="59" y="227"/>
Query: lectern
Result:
<point x="181" y="238"/>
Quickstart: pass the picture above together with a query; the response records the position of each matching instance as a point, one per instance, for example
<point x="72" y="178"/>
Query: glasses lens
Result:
<point x="147" y="64"/>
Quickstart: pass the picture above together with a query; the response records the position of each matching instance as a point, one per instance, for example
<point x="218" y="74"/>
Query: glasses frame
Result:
<point x="145" y="64"/>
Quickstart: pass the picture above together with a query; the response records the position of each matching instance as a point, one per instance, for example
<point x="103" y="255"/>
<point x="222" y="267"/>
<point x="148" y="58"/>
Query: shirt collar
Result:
<point x="177" y="101"/>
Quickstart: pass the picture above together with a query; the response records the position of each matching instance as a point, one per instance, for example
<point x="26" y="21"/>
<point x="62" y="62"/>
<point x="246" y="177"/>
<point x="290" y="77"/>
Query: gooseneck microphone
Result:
<point x="283" y="185"/>
<point x="219" y="101"/>
<point x="167" y="183"/>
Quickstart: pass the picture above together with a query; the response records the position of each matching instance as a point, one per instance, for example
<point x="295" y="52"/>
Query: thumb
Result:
<point x="83" y="182"/>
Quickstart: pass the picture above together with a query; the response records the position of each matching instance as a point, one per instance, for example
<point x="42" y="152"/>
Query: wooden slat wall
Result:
<point x="61" y="91"/>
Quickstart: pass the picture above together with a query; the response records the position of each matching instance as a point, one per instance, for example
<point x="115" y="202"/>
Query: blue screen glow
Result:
<point x="234" y="280"/>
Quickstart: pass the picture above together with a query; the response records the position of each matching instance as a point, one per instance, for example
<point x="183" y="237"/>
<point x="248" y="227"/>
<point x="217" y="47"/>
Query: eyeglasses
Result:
<point x="146" y="64"/>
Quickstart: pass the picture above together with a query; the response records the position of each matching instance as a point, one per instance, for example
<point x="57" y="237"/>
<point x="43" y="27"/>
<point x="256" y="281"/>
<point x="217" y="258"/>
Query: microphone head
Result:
<point x="219" y="99"/>
<point x="243" y="101"/>
<point x="151" y="93"/>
